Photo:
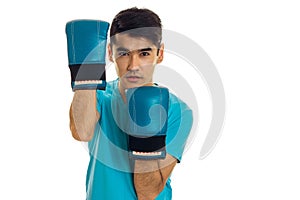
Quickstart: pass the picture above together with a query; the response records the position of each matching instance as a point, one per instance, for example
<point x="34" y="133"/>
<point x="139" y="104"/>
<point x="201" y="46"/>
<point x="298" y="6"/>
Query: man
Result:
<point x="100" y="117"/>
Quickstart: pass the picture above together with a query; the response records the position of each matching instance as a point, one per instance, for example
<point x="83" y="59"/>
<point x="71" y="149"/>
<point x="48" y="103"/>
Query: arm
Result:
<point x="150" y="176"/>
<point x="86" y="42"/>
<point x="83" y="115"/>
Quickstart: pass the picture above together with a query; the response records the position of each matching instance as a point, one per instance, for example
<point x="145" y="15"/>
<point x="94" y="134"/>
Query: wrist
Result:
<point x="144" y="166"/>
<point x="85" y="99"/>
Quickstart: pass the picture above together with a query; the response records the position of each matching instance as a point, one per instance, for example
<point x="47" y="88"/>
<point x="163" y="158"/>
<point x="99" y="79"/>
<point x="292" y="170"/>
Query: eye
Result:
<point x="144" y="53"/>
<point x="123" y="53"/>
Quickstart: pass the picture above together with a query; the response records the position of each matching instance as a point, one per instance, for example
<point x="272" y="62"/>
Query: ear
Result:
<point x="110" y="55"/>
<point x="160" y="54"/>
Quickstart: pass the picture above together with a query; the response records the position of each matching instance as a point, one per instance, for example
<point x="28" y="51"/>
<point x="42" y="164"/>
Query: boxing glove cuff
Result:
<point x="88" y="76"/>
<point x="147" y="148"/>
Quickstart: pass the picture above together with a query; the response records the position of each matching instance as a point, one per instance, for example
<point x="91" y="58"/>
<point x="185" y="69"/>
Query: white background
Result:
<point x="255" y="46"/>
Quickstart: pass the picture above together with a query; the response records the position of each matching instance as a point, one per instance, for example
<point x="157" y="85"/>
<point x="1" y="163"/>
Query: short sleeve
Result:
<point x="180" y="121"/>
<point x="99" y="97"/>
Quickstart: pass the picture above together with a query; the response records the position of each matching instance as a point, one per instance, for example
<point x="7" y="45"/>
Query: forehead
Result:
<point x="131" y="43"/>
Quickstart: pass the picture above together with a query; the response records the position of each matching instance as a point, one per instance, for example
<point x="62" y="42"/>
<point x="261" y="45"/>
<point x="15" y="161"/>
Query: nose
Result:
<point x="134" y="62"/>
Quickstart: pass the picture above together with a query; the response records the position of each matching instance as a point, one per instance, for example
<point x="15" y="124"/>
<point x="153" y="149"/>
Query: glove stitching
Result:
<point x="73" y="45"/>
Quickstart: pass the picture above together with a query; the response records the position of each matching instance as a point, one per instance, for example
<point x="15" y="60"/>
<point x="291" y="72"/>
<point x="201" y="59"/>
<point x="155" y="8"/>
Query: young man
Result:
<point x="100" y="117"/>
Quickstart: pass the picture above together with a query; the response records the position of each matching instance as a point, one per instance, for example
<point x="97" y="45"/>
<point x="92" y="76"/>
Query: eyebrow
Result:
<point x="127" y="50"/>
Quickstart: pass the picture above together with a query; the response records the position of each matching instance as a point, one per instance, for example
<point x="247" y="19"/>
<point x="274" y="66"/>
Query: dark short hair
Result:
<point x="137" y="23"/>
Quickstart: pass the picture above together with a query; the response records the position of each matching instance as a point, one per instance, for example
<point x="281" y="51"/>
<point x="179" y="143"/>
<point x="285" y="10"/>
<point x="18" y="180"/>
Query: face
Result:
<point x="135" y="60"/>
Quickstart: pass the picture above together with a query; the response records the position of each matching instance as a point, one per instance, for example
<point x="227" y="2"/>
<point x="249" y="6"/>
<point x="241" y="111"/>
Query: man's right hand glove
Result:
<point x="148" y="116"/>
<point x="86" y="41"/>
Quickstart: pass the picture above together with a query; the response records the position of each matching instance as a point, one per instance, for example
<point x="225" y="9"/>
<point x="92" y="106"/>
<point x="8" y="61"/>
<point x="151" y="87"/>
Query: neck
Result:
<point x="122" y="92"/>
<point x="122" y="89"/>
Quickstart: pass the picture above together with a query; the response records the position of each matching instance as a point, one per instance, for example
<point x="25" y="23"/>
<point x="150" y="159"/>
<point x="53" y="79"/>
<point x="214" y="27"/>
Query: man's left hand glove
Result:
<point x="148" y="116"/>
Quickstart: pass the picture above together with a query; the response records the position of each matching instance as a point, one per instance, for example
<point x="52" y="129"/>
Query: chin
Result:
<point x="127" y="84"/>
<point x="133" y="85"/>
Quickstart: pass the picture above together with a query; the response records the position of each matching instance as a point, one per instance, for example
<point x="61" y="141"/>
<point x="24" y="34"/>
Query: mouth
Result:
<point x="133" y="79"/>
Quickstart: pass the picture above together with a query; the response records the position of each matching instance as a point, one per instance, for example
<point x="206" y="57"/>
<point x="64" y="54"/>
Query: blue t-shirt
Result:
<point x="109" y="175"/>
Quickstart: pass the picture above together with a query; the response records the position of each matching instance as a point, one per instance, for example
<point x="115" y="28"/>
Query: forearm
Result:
<point x="83" y="114"/>
<point x="150" y="176"/>
<point x="148" y="179"/>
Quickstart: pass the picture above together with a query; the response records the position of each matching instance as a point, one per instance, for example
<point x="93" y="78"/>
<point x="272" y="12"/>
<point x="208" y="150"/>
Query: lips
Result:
<point x="133" y="78"/>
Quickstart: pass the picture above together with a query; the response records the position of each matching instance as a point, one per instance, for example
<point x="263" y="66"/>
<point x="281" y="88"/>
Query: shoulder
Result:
<point x="177" y="105"/>
<point x="111" y="86"/>
<point x="110" y="92"/>
<point x="179" y="113"/>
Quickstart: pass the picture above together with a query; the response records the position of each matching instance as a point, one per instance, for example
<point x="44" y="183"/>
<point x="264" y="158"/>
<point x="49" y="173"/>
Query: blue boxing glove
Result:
<point x="148" y="117"/>
<point x="86" y="41"/>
